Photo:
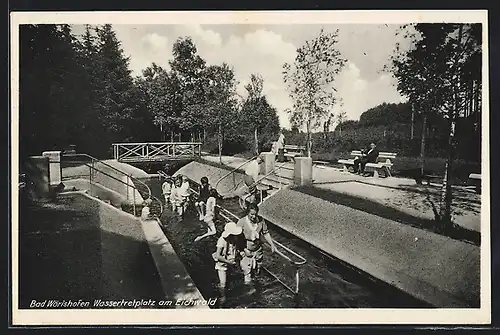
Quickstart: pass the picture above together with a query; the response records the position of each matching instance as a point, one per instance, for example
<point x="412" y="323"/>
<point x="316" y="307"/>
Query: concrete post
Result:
<point x="269" y="161"/>
<point x="55" y="171"/>
<point x="37" y="172"/>
<point x="302" y="171"/>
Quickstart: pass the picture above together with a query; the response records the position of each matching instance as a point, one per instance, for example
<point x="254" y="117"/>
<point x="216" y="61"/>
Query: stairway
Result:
<point x="273" y="183"/>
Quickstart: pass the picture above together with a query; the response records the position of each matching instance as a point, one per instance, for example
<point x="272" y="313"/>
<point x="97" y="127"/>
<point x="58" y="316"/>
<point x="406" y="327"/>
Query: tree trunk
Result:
<point x="219" y="138"/>
<point x="309" y="140"/>
<point x="422" y="146"/>
<point x="256" y="139"/>
<point x="204" y="135"/>
<point x="412" y="121"/>
<point x="171" y="136"/>
<point x="446" y="194"/>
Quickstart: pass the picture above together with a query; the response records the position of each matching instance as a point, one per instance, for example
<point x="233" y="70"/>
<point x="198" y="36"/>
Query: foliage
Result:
<point x="310" y="81"/>
<point x="257" y="117"/>
<point x="437" y="75"/>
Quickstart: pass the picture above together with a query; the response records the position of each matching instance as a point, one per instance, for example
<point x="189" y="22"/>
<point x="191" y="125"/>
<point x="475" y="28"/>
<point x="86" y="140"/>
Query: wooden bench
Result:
<point x="384" y="162"/>
<point x="294" y="150"/>
<point x="475" y="179"/>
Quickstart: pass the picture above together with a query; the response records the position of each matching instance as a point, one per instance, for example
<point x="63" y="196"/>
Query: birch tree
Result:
<point x="310" y="81"/>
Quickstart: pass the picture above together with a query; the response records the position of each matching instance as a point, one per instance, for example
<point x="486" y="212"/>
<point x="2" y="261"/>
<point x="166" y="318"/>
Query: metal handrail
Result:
<point x="133" y="179"/>
<point x="276" y="168"/>
<point x="113" y="168"/>
<point x="234" y="170"/>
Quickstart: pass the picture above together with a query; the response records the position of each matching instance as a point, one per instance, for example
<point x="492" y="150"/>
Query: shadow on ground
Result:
<point x="390" y="213"/>
<point x="69" y="251"/>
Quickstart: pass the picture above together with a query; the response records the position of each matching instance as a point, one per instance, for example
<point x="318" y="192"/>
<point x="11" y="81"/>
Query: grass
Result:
<point x="393" y="214"/>
<point x="409" y="167"/>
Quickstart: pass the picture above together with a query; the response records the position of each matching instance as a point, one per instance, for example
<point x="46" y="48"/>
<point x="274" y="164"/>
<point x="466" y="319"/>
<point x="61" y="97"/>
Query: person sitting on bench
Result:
<point x="369" y="156"/>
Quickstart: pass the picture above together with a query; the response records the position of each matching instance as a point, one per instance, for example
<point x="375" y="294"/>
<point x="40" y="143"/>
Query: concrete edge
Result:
<point x="155" y="252"/>
<point x="436" y="297"/>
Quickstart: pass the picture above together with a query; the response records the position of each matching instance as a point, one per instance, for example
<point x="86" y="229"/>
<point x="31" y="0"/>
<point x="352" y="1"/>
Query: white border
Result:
<point x="255" y="316"/>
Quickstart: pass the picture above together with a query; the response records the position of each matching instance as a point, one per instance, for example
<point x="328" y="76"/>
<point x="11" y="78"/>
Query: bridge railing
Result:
<point x="155" y="150"/>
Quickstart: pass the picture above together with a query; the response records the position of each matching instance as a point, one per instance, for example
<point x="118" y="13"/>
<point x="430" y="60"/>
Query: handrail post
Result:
<point x="134" y="203"/>
<point x="90" y="177"/>
<point x="297" y="279"/>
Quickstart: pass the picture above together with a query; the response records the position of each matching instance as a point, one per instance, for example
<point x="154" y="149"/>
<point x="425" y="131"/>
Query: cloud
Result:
<point x="205" y="36"/>
<point x="155" y="42"/>
<point x="264" y="50"/>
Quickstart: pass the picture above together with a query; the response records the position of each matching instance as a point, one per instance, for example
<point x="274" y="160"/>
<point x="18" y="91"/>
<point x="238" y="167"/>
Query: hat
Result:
<point x="231" y="229"/>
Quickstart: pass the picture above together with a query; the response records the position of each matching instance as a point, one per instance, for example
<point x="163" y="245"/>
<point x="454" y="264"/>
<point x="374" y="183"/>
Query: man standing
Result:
<point x="250" y="178"/>
<point x="370" y="157"/>
<point x="254" y="230"/>
<point x="280" y="147"/>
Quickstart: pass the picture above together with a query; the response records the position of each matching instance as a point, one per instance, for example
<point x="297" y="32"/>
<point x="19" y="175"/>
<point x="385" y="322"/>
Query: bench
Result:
<point x="475" y="179"/>
<point x="384" y="162"/>
<point x="293" y="151"/>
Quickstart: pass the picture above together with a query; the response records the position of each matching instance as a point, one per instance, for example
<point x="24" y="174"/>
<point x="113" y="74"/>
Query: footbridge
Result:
<point x="156" y="151"/>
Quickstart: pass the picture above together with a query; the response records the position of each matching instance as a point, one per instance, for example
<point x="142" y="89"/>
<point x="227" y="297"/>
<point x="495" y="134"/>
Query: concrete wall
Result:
<point x="118" y="183"/>
<point x="99" y="191"/>
<point x="196" y="170"/>
<point x="434" y="268"/>
<point x="175" y="280"/>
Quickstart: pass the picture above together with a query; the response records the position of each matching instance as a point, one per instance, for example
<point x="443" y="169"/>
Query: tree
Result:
<point x="51" y="85"/>
<point x="189" y="69"/>
<point x="433" y="75"/>
<point x="341" y="117"/>
<point x="162" y="99"/>
<point x="220" y="104"/>
<point x="256" y="113"/>
<point x="310" y="80"/>
<point x="115" y="85"/>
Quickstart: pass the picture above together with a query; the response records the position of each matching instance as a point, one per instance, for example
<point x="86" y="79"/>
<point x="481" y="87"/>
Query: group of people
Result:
<point x="176" y="192"/>
<point x="241" y="243"/>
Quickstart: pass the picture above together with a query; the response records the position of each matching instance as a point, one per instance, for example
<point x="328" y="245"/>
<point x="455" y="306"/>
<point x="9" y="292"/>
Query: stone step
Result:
<point x="276" y="182"/>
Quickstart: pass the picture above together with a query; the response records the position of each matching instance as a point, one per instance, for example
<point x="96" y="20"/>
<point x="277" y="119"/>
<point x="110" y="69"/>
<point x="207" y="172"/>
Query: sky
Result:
<point x="263" y="49"/>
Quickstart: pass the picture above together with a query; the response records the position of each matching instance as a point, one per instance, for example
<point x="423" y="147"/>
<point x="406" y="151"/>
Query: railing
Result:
<point x="256" y="183"/>
<point x="155" y="151"/>
<point x="229" y="216"/>
<point x="132" y="182"/>
<point x="232" y="172"/>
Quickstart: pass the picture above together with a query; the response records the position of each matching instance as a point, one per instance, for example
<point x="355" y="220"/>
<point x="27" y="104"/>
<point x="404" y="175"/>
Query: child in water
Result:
<point x="228" y="254"/>
<point x="166" y="189"/>
<point x="202" y="197"/>
<point x="176" y="198"/>
<point x="185" y="192"/>
<point x="210" y="215"/>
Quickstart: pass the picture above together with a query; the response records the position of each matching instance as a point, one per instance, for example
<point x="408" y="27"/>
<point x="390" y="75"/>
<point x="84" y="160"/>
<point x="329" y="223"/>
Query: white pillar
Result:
<point x="302" y="171"/>
<point x="269" y="161"/>
<point x="55" y="171"/>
